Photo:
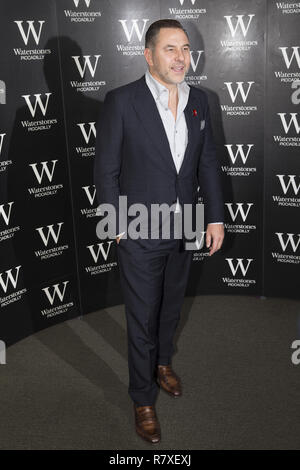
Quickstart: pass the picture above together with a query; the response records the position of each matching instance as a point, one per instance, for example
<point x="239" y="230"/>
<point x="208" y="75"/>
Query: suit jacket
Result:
<point x="133" y="156"/>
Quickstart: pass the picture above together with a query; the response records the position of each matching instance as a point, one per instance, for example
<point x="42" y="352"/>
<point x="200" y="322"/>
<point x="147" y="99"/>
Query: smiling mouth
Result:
<point x="178" y="68"/>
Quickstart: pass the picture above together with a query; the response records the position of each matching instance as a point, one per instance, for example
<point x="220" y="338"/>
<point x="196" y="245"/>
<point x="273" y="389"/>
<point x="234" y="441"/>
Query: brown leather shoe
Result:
<point x="146" y="423"/>
<point x="169" y="381"/>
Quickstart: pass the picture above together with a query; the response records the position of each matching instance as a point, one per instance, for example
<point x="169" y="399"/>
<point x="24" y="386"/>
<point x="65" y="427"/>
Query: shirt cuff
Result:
<point x="120" y="234"/>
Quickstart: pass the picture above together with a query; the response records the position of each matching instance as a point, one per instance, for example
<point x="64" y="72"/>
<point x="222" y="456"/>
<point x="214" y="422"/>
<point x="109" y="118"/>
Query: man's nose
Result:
<point x="180" y="55"/>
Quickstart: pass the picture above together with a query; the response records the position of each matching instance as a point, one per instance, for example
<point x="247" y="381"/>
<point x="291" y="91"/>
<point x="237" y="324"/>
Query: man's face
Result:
<point x="169" y="60"/>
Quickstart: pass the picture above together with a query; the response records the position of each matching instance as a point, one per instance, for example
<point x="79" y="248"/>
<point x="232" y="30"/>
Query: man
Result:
<point x="155" y="145"/>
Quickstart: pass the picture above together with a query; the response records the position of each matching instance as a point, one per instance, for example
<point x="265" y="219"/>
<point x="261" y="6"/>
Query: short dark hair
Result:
<point x="155" y="28"/>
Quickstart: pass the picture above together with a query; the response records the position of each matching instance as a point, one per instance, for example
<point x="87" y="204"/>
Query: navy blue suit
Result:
<point x="133" y="158"/>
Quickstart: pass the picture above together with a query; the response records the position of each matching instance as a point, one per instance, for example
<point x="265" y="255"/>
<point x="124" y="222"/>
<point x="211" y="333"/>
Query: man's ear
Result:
<point x="148" y="56"/>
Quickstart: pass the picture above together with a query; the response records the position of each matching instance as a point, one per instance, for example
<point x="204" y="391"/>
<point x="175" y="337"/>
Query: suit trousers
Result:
<point x="153" y="276"/>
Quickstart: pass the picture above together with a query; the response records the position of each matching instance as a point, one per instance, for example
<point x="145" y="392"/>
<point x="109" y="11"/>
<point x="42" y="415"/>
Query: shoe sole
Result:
<point x="140" y="434"/>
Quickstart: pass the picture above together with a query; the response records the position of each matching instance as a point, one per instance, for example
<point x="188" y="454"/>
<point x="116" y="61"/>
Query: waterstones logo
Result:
<point x="82" y="16"/>
<point x="134" y="32"/>
<point x="239" y="216"/>
<point x="30" y="32"/>
<point x="90" y="192"/>
<point x="41" y="172"/>
<point x="5" y="215"/>
<point x="88" y="132"/>
<point x="188" y="12"/>
<point x="100" y="252"/>
<point x="288" y="185"/>
<point x="38" y="105"/>
<point x="289" y="124"/>
<point x="50" y="233"/>
<point x="239" y="154"/>
<point x="239" y="266"/>
<point x="195" y="79"/>
<point x="9" y="279"/>
<point x="238" y="27"/>
<point x="3" y="163"/>
<point x="1" y="142"/>
<point x="288" y="242"/>
<point x="240" y="92"/>
<point x="291" y="57"/>
<point x="53" y="293"/>
<point x="84" y="64"/>
<point x="288" y="8"/>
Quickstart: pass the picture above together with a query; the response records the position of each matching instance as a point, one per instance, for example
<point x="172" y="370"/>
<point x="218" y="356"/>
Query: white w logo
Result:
<point x="134" y="27"/>
<point x="51" y="232"/>
<point x="182" y="1"/>
<point x="193" y="63"/>
<point x="91" y="130"/>
<point x="87" y="2"/>
<point x="290" y="240"/>
<point x="1" y="141"/>
<point x="293" y="120"/>
<point x="9" y="278"/>
<point x="38" y="101"/>
<point x="30" y="29"/>
<point x="239" y="210"/>
<point x="100" y="249"/>
<point x="292" y="182"/>
<point x="239" y="89"/>
<point x="56" y="291"/>
<point x="39" y="176"/>
<point x="91" y="197"/>
<point x="5" y="216"/>
<point x="199" y="243"/>
<point x="295" y="54"/>
<point x="239" y="265"/>
<point x="87" y="62"/>
<point x="239" y="152"/>
<point x="239" y="23"/>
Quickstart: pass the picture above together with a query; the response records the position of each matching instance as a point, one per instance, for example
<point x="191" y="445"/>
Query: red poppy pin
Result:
<point x="195" y="112"/>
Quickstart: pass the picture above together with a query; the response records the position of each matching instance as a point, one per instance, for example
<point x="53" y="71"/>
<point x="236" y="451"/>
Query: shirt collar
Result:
<point x="159" y="91"/>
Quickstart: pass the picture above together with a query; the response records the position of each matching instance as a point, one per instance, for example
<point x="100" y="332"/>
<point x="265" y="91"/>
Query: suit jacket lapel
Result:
<point x="147" y="111"/>
<point x="192" y="123"/>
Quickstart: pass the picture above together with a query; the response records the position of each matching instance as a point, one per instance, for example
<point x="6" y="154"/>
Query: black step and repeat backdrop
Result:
<point x="58" y="59"/>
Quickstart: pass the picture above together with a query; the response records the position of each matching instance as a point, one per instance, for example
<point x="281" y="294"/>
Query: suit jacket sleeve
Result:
<point x="209" y="175"/>
<point x="108" y="157"/>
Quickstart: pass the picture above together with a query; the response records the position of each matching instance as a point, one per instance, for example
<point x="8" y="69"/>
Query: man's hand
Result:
<point x="118" y="240"/>
<point x="214" y="237"/>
